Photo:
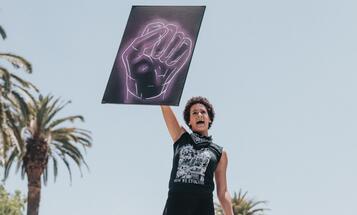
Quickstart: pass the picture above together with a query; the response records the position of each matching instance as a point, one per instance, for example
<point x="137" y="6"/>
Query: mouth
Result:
<point x="200" y="122"/>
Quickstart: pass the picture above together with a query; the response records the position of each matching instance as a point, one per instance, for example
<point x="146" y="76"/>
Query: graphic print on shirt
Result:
<point x="192" y="165"/>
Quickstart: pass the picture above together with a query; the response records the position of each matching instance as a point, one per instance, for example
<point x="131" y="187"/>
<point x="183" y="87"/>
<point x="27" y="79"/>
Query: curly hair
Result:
<point x="198" y="100"/>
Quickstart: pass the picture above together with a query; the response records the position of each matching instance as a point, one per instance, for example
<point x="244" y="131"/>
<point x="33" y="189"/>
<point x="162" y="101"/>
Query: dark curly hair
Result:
<point x="198" y="100"/>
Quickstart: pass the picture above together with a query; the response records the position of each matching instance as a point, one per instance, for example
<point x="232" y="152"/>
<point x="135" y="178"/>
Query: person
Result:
<point x="196" y="161"/>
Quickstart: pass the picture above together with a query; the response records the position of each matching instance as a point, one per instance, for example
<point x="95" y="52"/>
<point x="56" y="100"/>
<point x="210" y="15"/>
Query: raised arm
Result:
<point x="172" y="124"/>
<point x="221" y="180"/>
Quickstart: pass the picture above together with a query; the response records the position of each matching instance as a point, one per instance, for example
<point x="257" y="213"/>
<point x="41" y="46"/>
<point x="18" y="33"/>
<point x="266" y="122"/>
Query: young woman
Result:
<point x="196" y="161"/>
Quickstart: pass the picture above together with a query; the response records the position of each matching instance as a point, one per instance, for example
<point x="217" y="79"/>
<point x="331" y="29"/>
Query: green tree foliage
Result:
<point x="45" y="138"/>
<point x="11" y="204"/>
<point x="31" y="133"/>
<point x="243" y="206"/>
<point x="12" y="91"/>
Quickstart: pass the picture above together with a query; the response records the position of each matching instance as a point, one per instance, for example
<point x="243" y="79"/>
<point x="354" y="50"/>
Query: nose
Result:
<point x="200" y="115"/>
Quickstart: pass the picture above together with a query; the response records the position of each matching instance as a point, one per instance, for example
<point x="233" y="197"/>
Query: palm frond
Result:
<point x="23" y="83"/>
<point x="65" y="161"/>
<point x="62" y="120"/>
<point x="9" y="162"/>
<point x="21" y="103"/>
<point x="6" y="82"/>
<point x="32" y="102"/>
<point x="41" y="113"/>
<point x="15" y="133"/>
<point x="2" y="33"/>
<point x="52" y="110"/>
<point x="23" y="171"/>
<point x="241" y="205"/>
<point x="19" y="164"/>
<point x="55" y="168"/>
<point x="73" y="152"/>
<point x="6" y="143"/>
<point x="17" y="61"/>
<point x="45" y="175"/>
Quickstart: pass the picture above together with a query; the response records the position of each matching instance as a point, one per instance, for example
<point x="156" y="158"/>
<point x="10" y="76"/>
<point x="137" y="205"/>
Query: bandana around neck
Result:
<point x="198" y="138"/>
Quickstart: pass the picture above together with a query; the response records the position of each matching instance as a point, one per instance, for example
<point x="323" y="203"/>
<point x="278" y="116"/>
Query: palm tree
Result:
<point x="44" y="138"/>
<point x="12" y="90"/>
<point x="243" y="206"/>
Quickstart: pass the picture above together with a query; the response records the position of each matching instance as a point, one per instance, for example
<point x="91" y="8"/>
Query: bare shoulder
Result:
<point x="224" y="154"/>
<point x="222" y="166"/>
<point x="224" y="159"/>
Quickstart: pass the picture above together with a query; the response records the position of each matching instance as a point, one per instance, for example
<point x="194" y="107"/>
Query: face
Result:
<point x="199" y="119"/>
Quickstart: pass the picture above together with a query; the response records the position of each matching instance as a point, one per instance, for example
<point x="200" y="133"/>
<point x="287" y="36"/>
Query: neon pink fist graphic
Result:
<point x="153" y="59"/>
<point x="154" y="55"/>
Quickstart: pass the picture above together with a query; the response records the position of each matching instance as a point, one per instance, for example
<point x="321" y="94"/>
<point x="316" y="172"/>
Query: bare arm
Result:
<point x="222" y="190"/>
<point x="172" y="124"/>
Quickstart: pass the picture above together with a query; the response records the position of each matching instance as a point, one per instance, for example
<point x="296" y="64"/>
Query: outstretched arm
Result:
<point x="172" y="124"/>
<point x="221" y="180"/>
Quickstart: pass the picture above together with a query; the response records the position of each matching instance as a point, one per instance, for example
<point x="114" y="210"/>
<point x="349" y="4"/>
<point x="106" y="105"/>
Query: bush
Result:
<point x="11" y="204"/>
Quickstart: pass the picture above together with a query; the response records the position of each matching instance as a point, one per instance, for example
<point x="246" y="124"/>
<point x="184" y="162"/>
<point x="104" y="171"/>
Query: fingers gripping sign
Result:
<point x="153" y="59"/>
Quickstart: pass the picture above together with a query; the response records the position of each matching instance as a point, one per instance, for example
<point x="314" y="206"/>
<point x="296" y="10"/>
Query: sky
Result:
<point x="280" y="74"/>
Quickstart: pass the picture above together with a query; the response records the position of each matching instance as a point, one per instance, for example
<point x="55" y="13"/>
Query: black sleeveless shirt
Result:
<point x="194" y="162"/>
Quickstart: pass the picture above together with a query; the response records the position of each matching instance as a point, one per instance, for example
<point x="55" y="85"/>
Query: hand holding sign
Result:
<point x="154" y="58"/>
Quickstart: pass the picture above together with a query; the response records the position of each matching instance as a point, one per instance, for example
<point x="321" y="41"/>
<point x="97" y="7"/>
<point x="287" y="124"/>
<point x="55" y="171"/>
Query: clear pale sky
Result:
<point x="281" y="74"/>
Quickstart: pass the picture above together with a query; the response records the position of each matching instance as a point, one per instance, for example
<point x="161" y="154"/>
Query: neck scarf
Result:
<point x="199" y="139"/>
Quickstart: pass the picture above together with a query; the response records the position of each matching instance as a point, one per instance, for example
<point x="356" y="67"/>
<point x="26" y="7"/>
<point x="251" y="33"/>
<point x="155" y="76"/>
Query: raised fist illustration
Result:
<point x="154" y="58"/>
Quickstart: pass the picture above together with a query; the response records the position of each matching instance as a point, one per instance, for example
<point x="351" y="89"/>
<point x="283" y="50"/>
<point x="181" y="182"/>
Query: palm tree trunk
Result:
<point x="35" y="162"/>
<point x="34" y="191"/>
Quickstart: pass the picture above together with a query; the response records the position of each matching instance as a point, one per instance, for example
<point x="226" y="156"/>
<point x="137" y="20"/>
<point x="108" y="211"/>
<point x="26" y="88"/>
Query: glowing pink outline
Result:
<point x="184" y="40"/>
